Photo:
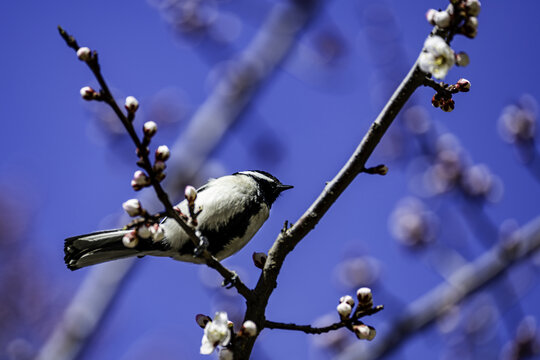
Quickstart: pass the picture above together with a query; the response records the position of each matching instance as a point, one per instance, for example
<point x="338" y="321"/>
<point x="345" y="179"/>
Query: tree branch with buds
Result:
<point x="154" y="172"/>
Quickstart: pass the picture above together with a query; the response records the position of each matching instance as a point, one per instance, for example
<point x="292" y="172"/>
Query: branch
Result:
<point x="464" y="282"/>
<point x="106" y="96"/>
<point x="308" y="329"/>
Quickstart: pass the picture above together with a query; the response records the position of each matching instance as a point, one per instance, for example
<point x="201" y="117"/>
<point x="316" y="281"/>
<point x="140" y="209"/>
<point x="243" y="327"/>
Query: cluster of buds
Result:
<point x="345" y="309"/>
<point x="446" y="103"/>
<point x="460" y="13"/>
<point x="443" y="99"/>
<point x="145" y="229"/>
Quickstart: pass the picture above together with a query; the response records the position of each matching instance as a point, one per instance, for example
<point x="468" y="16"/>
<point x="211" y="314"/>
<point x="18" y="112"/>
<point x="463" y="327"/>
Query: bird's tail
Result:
<point x="90" y="249"/>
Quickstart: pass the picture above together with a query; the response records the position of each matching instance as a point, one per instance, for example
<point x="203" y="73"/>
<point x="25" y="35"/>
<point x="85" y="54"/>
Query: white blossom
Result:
<point x="132" y="207"/>
<point x="437" y="57"/>
<point x="84" y="53"/>
<point x="216" y="333"/>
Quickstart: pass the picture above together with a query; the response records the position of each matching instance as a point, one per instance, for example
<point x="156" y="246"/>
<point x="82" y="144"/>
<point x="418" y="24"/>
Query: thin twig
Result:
<point x="465" y="281"/>
<point x="308" y="329"/>
<point x="106" y="96"/>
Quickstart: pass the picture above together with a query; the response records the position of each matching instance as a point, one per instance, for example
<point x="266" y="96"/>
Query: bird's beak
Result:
<point x="282" y="187"/>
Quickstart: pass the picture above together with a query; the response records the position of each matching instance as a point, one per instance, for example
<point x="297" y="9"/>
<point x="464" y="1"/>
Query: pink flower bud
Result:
<point x="202" y="320"/>
<point x="159" y="166"/>
<point x="249" y="328"/>
<point x="149" y="128"/>
<point x="259" y="259"/>
<point x="132" y="104"/>
<point x="344" y="310"/>
<point x="347" y="299"/>
<point x="132" y="207"/>
<point x="462" y="59"/>
<point x="364" y="332"/>
<point x="87" y="93"/>
<point x="190" y="194"/>
<point x="141" y="179"/>
<point x="463" y="85"/>
<point x="448" y="105"/>
<point x="162" y="153"/>
<point x="84" y="54"/>
<point x="135" y="186"/>
<point x="473" y="7"/>
<point x="130" y="240"/>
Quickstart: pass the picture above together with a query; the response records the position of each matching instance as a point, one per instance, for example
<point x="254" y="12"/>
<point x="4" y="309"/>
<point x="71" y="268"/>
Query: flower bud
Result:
<point x="249" y="328"/>
<point x="364" y="332"/>
<point x="470" y="29"/>
<point x="436" y="100"/>
<point x="364" y="296"/>
<point x="463" y="85"/>
<point x="448" y="105"/>
<point x="141" y="179"/>
<point x="135" y="186"/>
<point x="84" y="53"/>
<point x="473" y="7"/>
<point x="143" y="231"/>
<point x="191" y="194"/>
<point x="130" y="240"/>
<point x="149" y="128"/>
<point x="347" y="299"/>
<point x="132" y="104"/>
<point x="202" y="320"/>
<point x="132" y="207"/>
<point x="439" y="18"/>
<point x="462" y="59"/>
<point x="87" y="93"/>
<point x="158" y="233"/>
<point x="162" y="153"/>
<point x="344" y="310"/>
<point x="259" y="259"/>
<point x="159" y="166"/>
<point x="225" y="354"/>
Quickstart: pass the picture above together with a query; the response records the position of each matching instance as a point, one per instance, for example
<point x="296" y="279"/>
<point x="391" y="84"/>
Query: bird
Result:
<point x="232" y="209"/>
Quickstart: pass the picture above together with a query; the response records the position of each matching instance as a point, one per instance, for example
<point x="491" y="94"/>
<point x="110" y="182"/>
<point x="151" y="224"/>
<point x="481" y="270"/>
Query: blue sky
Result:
<point x="66" y="176"/>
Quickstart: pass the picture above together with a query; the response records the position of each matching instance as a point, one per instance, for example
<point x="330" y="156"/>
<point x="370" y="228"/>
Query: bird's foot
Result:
<point x="230" y="282"/>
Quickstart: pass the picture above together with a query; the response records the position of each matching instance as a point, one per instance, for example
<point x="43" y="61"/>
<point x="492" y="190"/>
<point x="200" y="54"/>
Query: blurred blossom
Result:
<point x="478" y="182"/>
<point x="447" y="166"/>
<point x="329" y="46"/>
<point x="167" y="106"/>
<point x="358" y="271"/>
<point x="517" y="123"/>
<point x="226" y="28"/>
<point x="449" y="321"/>
<point x="417" y="120"/>
<point x="413" y="224"/>
<point x="480" y="319"/>
<point x="526" y="343"/>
